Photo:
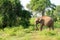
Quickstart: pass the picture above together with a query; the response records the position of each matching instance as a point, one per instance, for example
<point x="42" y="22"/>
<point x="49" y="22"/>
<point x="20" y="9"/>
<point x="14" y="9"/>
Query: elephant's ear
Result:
<point x="41" y="21"/>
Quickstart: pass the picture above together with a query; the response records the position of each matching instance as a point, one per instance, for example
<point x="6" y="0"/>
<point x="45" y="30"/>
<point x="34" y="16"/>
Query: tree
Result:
<point x="51" y="14"/>
<point x="57" y="11"/>
<point x="25" y="17"/>
<point x="9" y="12"/>
<point x="40" y="5"/>
<point x="12" y="14"/>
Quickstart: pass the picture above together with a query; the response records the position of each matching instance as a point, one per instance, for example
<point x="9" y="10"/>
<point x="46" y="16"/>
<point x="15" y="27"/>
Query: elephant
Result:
<point x="45" y="21"/>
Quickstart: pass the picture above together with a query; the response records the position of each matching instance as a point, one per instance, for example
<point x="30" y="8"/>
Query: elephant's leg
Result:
<point x="41" y="27"/>
<point x="49" y="27"/>
<point x="52" y="27"/>
<point x="42" y="24"/>
<point x="36" y="26"/>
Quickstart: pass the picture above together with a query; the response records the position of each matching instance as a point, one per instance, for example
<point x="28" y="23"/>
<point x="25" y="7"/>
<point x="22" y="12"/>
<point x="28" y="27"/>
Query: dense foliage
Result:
<point x="12" y="13"/>
<point x="40" y="5"/>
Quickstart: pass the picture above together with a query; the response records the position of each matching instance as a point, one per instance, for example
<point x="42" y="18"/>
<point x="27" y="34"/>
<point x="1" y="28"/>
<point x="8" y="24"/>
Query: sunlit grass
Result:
<point x="29" y="34"/>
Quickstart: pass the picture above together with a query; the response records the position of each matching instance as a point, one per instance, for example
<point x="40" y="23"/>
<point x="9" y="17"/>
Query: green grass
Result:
<point x="19" y="33"/>
<point x="28" y="34"/>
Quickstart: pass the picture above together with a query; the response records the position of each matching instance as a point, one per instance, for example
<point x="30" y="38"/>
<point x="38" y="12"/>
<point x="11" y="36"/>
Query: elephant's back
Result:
<point x="47" y="20"/>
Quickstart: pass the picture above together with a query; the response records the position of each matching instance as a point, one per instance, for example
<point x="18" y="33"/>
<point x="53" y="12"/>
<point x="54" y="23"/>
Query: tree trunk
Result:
<point x="43" y="12"/>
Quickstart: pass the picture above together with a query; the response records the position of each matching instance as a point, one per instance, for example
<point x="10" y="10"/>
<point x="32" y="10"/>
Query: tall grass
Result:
<point x="19" y="33"/>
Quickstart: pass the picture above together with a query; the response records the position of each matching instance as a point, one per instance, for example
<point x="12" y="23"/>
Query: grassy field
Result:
<point x="19" y="33"/>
